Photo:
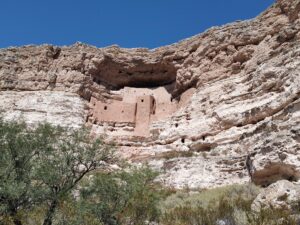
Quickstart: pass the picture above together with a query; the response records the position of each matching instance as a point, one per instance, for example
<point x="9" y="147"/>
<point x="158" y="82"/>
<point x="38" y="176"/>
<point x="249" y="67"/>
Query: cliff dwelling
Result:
<point x="137" y="94"/>
<point x="132" y="110"/>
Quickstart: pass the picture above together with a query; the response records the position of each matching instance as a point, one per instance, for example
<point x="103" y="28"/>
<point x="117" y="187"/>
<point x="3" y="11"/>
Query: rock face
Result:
<point x="280" y="195"/>
<point x="58" y="108"/>
<point x="219" y="108"/>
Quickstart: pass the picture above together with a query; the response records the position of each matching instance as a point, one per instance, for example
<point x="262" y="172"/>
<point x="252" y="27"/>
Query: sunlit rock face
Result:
<point x="281" y="195"/>
<point x="219" y="108"/>
<point x="58" y="108"/>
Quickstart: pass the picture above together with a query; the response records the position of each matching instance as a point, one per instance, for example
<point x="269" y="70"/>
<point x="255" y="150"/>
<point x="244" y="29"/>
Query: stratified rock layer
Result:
<point x="219" y="108"/>
<point x="58" y="108"/>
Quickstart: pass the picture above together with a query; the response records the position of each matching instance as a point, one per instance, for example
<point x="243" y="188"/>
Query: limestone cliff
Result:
<point x="221" y="107"/>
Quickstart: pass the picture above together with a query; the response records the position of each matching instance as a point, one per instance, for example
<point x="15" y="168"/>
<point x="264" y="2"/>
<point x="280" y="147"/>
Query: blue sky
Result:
<point x="127" y="23"/>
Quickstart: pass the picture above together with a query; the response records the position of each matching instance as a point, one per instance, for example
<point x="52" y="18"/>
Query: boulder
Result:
<point x="283" y="195"/>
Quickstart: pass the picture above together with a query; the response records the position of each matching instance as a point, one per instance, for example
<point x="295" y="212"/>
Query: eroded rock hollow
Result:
<point x="219" y="108"/>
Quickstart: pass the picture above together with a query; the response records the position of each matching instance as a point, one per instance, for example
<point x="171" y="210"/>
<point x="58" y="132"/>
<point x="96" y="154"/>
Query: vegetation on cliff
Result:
<point x="50" y="175"/>
<point x="43" y="165"/>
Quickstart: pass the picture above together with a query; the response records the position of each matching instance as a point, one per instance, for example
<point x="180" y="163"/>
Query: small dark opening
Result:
<point x="56" y="55"/>
<point x="182" y="140"/>
<point x="203" y="138"/>
<point x="239" y="125"/>
<point x="96" y="80"/>
<point x="142" y="100"/>
<point x="292" y="178"/>
<point x="122" y="111"/>
<point x="176" y="124"/>
<point x="105" y="107"/>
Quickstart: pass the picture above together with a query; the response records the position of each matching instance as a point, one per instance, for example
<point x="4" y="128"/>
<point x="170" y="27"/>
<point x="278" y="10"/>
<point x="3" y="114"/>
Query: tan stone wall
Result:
<point x="139" y="106"/>
<point x="160" y="94"/>
<point x="163" y="110"/>
<point x="145" y="106"/>
<point x="164" y="106"/>
<point x="115" y="111"/>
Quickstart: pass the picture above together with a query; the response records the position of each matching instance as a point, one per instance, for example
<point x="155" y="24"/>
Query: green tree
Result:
<point x="44" y="164"/>
<point x="122" y="197"/>
<point x="66" y="159"/>
<point x="19" y="148"/>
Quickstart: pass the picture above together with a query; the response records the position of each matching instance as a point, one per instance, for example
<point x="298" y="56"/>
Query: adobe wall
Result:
<point x="163" y="100"/>
<point x="114" y="111"/>
<point x="160" y="94"/>
<point x="145" y="108"/>
<point x="139" y="106"/>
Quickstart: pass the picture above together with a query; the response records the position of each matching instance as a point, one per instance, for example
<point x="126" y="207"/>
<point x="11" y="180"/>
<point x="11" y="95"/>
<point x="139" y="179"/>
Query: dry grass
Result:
<point x="231" y="204"/>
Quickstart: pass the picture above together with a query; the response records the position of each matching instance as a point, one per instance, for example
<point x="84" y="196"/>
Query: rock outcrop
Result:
<point x="282" y="195"/>
<point x="221" y="107"/>
<point x="58" y="108"/>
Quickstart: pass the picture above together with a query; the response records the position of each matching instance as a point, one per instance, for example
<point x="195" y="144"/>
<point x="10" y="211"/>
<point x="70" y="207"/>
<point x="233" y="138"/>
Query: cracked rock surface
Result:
<point x="241" y="123"/>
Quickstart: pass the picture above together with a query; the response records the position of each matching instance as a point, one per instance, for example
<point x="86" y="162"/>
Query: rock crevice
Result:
<point x="212" y="99"/>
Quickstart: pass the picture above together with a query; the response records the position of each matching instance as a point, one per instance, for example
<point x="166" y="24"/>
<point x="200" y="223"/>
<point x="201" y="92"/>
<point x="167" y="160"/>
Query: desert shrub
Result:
<point x="207" y="196"/>
<point x="122" y="197"/>
<point x="271" y="217"/>
<point x="198" y="215"/>
<point x="229" y="205"/>
<point x="72" y="212"/>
